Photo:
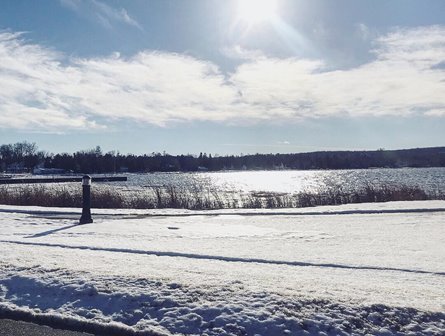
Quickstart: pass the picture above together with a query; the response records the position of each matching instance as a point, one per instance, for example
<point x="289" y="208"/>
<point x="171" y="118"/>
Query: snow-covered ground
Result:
<point x="356" y="269"/>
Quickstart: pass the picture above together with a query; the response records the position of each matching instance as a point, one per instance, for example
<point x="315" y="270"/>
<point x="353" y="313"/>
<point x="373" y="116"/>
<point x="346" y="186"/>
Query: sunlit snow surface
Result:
<point x="355" y="269"/>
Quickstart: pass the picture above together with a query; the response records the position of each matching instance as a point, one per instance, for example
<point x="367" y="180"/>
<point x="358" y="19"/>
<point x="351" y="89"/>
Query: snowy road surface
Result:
<point x="355" y="269"/>
<point x="18" y="328"/>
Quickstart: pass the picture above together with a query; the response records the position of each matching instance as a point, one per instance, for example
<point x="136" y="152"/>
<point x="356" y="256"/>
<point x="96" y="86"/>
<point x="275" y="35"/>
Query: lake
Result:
<point x="289" y="181"/>
<point x="251" y="189"/>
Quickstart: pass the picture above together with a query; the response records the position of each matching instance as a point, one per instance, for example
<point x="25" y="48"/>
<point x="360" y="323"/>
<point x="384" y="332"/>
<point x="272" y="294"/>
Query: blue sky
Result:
<point x="226" y="77"/>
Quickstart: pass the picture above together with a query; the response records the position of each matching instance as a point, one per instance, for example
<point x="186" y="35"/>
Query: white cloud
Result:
<point x="149" y="87"/>
<point x="43" y="90"/>
<point x="422" y="47"/>
<point x="96" y="10"/>
<point x="364" y="32"/>
<point x="402" y="80"/>
<point x="30" y="77"/>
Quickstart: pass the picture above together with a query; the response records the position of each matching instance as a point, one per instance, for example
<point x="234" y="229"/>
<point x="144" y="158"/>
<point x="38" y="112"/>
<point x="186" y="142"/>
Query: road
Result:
<point x="18" y="328"/>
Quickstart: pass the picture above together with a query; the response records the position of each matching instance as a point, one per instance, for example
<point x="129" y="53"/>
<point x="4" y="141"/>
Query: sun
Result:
<point x="256" y="11"/>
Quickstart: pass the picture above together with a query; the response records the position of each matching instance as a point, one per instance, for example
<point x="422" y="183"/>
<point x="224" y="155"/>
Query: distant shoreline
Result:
<point x="14" y="159"/>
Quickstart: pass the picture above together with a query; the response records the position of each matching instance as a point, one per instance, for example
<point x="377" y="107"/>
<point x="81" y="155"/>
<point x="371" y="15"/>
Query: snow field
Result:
<point x="294" y="274"/>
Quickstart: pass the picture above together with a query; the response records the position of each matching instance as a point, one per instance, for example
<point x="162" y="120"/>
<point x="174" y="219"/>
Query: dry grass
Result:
<point x="172" y="197"/>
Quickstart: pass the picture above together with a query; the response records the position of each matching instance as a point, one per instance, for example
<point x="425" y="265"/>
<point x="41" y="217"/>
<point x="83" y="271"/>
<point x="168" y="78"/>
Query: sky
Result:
<point x="222" y="76"/>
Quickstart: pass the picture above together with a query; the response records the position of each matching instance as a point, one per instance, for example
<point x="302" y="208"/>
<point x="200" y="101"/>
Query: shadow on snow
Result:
<point x="221" y="258"/>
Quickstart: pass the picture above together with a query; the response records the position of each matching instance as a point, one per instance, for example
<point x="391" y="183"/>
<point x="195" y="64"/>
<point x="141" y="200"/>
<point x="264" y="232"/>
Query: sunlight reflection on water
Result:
<point x="292" y="181"/>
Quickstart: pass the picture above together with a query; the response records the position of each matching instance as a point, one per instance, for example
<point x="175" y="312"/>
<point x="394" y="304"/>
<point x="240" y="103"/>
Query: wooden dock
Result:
<point x="32" y="180"/>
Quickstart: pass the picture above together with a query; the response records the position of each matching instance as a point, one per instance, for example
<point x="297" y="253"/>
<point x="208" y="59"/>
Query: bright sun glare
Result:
<point x="255" y="11"/>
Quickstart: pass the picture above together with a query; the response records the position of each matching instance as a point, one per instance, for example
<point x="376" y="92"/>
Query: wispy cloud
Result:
<point x="30" y="97"/>
<point x="403" y="79"/>
<point x="44" y="90"/>
<point x="101" y="12"/>
<point x="238" y="52"/>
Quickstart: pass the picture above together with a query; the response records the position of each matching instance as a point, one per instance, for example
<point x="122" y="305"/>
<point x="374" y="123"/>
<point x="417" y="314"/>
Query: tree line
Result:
<point x="27" y="156"/>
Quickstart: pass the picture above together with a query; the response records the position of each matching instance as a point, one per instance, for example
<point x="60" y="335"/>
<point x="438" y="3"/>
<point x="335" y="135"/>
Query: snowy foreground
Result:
<point x="358" y="269"/>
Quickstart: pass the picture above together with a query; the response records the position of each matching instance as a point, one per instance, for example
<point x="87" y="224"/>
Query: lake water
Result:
<point x="289" y="181"/>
